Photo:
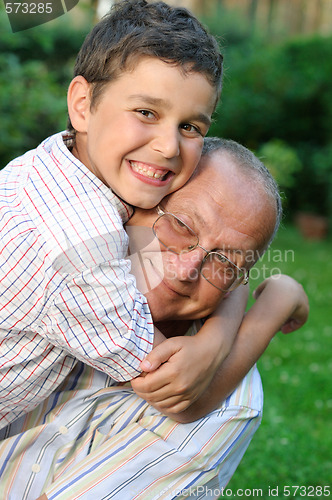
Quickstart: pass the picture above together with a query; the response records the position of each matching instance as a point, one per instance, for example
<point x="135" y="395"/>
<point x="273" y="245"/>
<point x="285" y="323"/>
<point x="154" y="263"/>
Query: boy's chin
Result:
<point x="138" y="200"/>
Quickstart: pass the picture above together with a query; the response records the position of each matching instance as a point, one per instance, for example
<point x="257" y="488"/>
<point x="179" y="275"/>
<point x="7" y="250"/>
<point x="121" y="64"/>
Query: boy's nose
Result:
<point x="167" y="142"/>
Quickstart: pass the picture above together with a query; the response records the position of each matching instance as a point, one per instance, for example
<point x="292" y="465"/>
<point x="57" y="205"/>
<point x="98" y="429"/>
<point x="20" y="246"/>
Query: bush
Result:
<point x="32" y="105"/>
<point x="283" y="92"/>
<point x="281" y="160"/>
<point x="36" y="68"/>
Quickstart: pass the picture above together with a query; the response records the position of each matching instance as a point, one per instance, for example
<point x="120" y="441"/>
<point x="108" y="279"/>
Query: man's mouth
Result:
<point x="159" y="277"/>
<point x="149" y="171"/>
<point x="173" y="289"/>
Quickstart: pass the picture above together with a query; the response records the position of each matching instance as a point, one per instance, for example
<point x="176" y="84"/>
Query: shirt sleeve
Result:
<point x="95" y="312"/>
<point x="143" y="455"/>
<point x="190" y="454"/>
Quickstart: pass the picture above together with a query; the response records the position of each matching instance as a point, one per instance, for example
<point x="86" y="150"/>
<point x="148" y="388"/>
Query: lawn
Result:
<point x="293" y="446"/>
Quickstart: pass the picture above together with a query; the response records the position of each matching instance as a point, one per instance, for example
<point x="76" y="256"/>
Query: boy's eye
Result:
<point x="146" y="113"/>
<point x="191" y="129"/>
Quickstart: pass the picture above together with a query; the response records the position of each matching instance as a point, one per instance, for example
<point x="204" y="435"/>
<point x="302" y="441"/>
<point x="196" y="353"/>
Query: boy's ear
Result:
<point x="78" y="101"/>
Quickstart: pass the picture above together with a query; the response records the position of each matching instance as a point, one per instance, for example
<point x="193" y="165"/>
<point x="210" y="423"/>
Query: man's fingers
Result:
<point x="173" y="406"/>
<point x="166" y="402"/>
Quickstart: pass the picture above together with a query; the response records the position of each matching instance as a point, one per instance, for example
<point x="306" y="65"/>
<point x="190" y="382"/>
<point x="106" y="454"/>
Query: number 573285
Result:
<point x="307" y="491"/>
<point x="28" y="8"/>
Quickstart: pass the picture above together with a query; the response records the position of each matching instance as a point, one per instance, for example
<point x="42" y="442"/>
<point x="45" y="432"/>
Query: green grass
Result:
<point x="293" y="446"/>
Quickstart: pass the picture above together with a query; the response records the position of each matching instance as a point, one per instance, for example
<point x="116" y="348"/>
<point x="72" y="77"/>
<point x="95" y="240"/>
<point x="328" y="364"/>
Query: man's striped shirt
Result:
<point x="95" y="440"/>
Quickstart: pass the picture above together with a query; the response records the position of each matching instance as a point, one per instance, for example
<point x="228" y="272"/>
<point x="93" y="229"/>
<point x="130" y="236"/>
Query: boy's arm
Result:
<point x="281" y="304"/>
<point x="181" y="368"/>
<point x="97" y="315"/>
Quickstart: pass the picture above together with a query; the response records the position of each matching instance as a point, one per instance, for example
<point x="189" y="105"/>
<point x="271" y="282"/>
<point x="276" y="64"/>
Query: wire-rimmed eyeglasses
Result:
<point x="175" y="235"/>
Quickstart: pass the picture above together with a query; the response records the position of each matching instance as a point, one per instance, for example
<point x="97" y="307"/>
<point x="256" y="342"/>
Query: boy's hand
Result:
<point x="287" y="294"/>
<point x="183" y="369"/>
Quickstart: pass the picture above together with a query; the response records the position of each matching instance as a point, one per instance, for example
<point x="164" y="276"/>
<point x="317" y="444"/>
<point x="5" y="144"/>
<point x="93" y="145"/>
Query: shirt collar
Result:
<point x="62" y="146"/>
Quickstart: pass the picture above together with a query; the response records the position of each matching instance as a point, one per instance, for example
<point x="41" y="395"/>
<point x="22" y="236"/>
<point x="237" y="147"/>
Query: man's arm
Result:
<point x="281" y="304"/>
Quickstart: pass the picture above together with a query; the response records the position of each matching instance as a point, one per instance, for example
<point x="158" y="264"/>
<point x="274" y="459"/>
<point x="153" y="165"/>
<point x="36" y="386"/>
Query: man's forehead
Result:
<point x="204" y="215"/>
<point x="201" y="196"/>
<point x="226" y="207"/>
<point x="188" y="206"/>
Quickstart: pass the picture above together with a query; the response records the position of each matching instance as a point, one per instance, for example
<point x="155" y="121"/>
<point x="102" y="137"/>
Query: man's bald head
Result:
<point x="257" y="178"/>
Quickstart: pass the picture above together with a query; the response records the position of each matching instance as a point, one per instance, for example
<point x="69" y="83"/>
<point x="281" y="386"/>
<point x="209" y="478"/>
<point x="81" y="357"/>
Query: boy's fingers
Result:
<point x="158" y="356"/>
<point x="290" y="326"/>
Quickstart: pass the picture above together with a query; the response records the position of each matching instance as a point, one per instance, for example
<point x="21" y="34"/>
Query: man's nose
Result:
<point x="187" y="265"/>
<point x="167" y="141"/>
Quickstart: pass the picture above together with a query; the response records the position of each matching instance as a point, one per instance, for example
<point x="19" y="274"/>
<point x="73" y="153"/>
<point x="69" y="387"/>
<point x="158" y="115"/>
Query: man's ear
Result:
<point x="78" y="100"/>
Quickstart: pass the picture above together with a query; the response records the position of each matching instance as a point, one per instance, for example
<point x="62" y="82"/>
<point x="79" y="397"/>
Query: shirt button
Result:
<point x="63" y="429"/>
<point x="35" y="468"/>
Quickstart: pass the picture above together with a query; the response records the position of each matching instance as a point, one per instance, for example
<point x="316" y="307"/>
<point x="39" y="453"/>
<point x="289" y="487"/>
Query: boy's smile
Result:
<point x="148" y="170"/>
<point x="144" y="136"/>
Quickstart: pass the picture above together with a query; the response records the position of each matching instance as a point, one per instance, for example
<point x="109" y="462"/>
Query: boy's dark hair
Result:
<point x="135" y="28"/>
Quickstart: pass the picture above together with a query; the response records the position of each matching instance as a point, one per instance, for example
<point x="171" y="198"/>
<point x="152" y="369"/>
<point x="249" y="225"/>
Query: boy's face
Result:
<point x="144" y="137"/>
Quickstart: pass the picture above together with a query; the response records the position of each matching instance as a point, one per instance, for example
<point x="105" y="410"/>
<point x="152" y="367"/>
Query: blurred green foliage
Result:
<point x="280" y="92"/>
<point x="35" y="69"/>
<point x="282" y="161"/>
<point x="277" y="98"/>
<point x="293" y="445"/>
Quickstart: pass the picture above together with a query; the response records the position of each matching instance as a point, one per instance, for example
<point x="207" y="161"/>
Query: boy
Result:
<point x="146" y="82"/>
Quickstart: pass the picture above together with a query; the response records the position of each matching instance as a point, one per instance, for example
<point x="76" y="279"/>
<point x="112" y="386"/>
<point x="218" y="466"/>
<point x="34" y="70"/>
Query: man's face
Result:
<point x="144" y="136"/>
<point x="229" y="214"/>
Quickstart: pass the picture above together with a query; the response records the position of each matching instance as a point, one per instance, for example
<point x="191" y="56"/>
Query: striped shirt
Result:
<point x="96" y="440"/>
<point x="65" y="286"/>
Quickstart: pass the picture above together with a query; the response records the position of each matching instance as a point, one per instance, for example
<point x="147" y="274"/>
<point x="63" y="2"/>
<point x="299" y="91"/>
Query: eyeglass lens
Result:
<point x="179" y="238"/>
<point x="174" y="234"/>
<point x="220" y="272"/>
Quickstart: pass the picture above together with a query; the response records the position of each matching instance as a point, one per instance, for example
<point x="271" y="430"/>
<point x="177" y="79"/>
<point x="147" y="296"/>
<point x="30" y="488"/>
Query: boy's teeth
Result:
<point x="148" y="172"/>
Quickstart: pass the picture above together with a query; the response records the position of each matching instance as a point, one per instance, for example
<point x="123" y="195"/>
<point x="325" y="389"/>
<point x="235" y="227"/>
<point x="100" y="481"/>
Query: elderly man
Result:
<point x="97" y="439"/>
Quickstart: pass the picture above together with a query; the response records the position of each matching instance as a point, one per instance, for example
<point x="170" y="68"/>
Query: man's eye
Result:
<point x="221" y="258"/>
<point x="179" y="226"/>
<point x="180" y="223"/>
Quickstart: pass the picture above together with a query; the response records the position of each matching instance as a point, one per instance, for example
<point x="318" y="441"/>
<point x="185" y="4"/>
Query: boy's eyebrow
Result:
<point x="156" y="101"/>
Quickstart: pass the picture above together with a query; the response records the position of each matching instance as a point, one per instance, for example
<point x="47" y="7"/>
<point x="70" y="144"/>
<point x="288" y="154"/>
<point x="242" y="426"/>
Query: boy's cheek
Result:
<point x="190" y="162"/>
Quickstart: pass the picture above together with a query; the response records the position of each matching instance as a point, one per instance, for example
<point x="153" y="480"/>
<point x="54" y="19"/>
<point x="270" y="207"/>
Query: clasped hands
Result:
<point x="180" y="369"/>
